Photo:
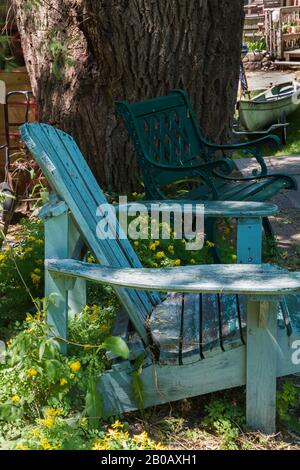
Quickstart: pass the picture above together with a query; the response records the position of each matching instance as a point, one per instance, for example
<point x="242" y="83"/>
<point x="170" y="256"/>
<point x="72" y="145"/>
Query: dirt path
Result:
<point x="260" y="80"/>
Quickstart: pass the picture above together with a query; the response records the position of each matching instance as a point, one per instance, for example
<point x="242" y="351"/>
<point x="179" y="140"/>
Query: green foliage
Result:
<point x="257" y="45"/>
<point x="93" y="404"/>
<point x="20" y="266"/>
<point x="287" y="402"/>
<point x="55" y="433"/>
<point x="292" y="146"/>
<point x="117" y="347"/>
<point x="59" y="47"/>
<point x="137" y="382"/>
<point x="36" y="376"/>
<point x="226" y="418"/>
<point x="57" y="43"/>
<point x="7" y="61"/>
<point x="31" y="5"/>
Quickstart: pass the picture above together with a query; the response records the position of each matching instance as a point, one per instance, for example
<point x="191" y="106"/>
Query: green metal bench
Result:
<point x="171" y="149"/>
<point x="219" y="327"/>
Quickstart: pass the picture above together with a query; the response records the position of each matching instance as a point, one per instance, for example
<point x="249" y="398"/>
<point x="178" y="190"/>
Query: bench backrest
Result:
<point x="71" y="178"/>
<point x="164" y="131"/>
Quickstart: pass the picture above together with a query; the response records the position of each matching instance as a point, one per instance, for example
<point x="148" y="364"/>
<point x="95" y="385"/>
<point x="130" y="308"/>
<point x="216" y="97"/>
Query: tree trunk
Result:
<point x="83" y="55"/>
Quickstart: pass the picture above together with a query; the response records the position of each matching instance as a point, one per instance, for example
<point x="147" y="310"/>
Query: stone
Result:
<point x="251" y="56"/>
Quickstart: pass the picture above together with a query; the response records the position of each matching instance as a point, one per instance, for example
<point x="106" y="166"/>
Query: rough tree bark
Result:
<point x="129" y="49"/>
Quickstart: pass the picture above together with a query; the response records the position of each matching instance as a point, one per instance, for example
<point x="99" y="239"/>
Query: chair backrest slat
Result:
<point x="69" y="175"/>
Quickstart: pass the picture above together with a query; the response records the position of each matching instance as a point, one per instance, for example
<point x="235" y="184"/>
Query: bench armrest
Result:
<point x="224" y="164"/>
<point x="254" y="280"/>
<point x="272" y="140"/>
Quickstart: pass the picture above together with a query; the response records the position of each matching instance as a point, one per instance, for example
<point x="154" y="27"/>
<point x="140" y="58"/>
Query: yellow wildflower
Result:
<point x="233" y="257"/>
<point x="117" y="425"/>
<point x="36" y="433"/>
<point x="159" y="446"/>
<point x="141" y="438"/>
<point x="16" y="399"/>
<point x="37" y="271"/>
<point x="100" y="445"/>
<point x="45" y="444"/>
<point x="193" y="261"/>
<point x="63" y="382"/>
<point x="47" y="422"/>
<point x="22" y="447"/>
<point x="104" y="328"/>
<point x="210" y="244"/>
<point x="35" y="278"/>
<point x="160" y="255"/>
<point x="75" y="366"/>
<point x="177" y="262"/>
<point x="2" y="257"/>
<point x="29" y="318"/>
<point x="157" y="242"/>
<point x="83" y="422"/>
<point x="152" y="246"/>
<point x="32" y="372"/>
<point x="136" y="243"/>
<point x="171" y="249"/>
<point x="86" y="308"/>
<point x="52" y="413"/>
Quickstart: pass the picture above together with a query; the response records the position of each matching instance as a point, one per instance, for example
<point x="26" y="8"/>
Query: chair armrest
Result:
<point x="261" y="279"/>
<point x="215" y="209"/>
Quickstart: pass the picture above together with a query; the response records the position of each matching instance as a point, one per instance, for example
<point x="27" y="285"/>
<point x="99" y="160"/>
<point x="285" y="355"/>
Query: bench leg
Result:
<point x="261" y="366"/>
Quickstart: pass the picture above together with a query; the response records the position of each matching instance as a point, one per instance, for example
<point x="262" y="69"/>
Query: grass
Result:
<point x="293" y="144"/>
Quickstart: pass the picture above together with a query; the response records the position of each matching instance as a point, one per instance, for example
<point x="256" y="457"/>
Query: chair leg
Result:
<point x="57" y="311"/>
<point x="56" y="246"/>
<point x="261" y="366"/>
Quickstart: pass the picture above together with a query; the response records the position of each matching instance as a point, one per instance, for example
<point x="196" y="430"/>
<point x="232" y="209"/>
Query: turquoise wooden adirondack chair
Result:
<point x="171" y="148"/>
<point x="194" y="340"/>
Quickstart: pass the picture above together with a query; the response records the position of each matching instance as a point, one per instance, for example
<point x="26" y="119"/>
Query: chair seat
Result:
<point x="258" y="190"/>
<point x="191" y="327"/>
